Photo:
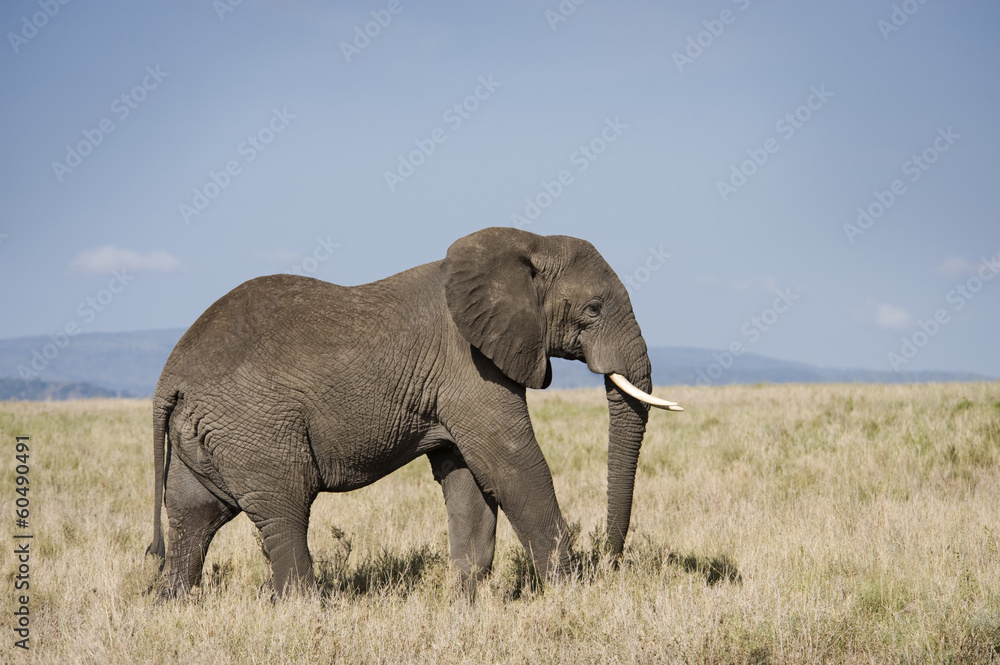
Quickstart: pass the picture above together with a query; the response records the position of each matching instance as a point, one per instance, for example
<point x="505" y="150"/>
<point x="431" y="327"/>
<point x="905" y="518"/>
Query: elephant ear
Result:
<point x="494" y="299"/>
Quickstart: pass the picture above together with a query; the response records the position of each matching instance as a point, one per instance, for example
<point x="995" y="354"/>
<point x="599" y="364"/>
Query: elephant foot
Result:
<point x="163" y="591"/>
<point x="469" y="581"/>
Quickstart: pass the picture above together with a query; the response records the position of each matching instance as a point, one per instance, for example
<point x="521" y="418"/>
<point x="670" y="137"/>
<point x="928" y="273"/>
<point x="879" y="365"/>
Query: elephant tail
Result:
<point x="163" y="406"/>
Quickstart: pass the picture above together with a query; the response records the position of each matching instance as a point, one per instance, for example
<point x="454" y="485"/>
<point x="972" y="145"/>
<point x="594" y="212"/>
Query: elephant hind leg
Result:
<point x="284" y="525"/>
<point x="472" y="517"/>
<point x="195" y="515"/>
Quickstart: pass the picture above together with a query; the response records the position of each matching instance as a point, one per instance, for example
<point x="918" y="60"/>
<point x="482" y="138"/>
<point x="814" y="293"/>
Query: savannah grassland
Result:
<point x="772" y="524"/>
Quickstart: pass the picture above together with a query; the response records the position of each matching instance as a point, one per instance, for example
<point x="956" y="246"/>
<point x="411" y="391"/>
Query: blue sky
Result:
<point x="716" y="153"/>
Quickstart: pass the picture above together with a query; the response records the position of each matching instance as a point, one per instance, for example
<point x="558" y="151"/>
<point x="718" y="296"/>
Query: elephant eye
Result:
<point x="593" y="310"/>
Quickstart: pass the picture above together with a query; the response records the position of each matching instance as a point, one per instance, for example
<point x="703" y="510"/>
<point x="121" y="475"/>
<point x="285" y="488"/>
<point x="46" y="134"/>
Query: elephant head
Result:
<point x="522" y="298"/>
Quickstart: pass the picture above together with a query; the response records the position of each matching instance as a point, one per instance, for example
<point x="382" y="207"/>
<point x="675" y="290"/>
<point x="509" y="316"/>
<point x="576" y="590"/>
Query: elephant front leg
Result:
<point x="527" y="496"/>
<point x="507" y="464"/>
<point x="472" y="517"/>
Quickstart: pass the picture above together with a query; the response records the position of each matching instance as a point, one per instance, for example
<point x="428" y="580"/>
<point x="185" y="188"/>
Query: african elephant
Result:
<point x="289" y="386"/>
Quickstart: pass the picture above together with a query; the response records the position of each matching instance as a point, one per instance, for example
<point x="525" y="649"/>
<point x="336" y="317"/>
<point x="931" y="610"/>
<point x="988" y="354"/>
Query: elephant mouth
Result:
<point x="629" y="389"/>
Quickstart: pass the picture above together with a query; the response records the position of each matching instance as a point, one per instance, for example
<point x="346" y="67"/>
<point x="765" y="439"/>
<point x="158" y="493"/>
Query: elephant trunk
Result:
<point x="627" y="426"/>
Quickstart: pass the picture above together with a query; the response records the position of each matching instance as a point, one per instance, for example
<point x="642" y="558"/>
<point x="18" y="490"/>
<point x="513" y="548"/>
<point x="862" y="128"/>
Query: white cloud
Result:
<point x="278" y="257"/>
<point x="954" y="266"/>
<point x="892" y="317"/>
<point x="107" y="259"/>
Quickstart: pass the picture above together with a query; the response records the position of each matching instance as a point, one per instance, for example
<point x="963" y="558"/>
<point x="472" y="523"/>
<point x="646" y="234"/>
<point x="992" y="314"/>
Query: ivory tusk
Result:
<point x="628" y="388"/>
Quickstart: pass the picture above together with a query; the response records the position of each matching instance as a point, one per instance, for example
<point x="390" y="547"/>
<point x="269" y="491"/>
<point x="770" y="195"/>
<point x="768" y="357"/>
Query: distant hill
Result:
<point x="692" y="366"/>
<point x="120" y="362"/>
<point x="129" y="364"/>
<point x="43" y="391"/>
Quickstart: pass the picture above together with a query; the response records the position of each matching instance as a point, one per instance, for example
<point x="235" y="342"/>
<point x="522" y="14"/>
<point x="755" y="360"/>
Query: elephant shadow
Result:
<point x="400" y="572"/>
<point x="714" y="569"/>
<point x="394" y="572"/>
<point x="591" y="562"/>
<point x="644" y="552"/>
<point x="386" y="572"/>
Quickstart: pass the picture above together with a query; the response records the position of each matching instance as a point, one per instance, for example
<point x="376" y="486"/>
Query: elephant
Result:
<point x="288" y="386"/>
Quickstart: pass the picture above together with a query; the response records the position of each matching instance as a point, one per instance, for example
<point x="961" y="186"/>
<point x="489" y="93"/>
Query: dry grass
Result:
<point x="785" y="524"/>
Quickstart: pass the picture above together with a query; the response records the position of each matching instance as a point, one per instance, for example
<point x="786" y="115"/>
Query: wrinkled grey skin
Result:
<point x="288" y="386"/>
